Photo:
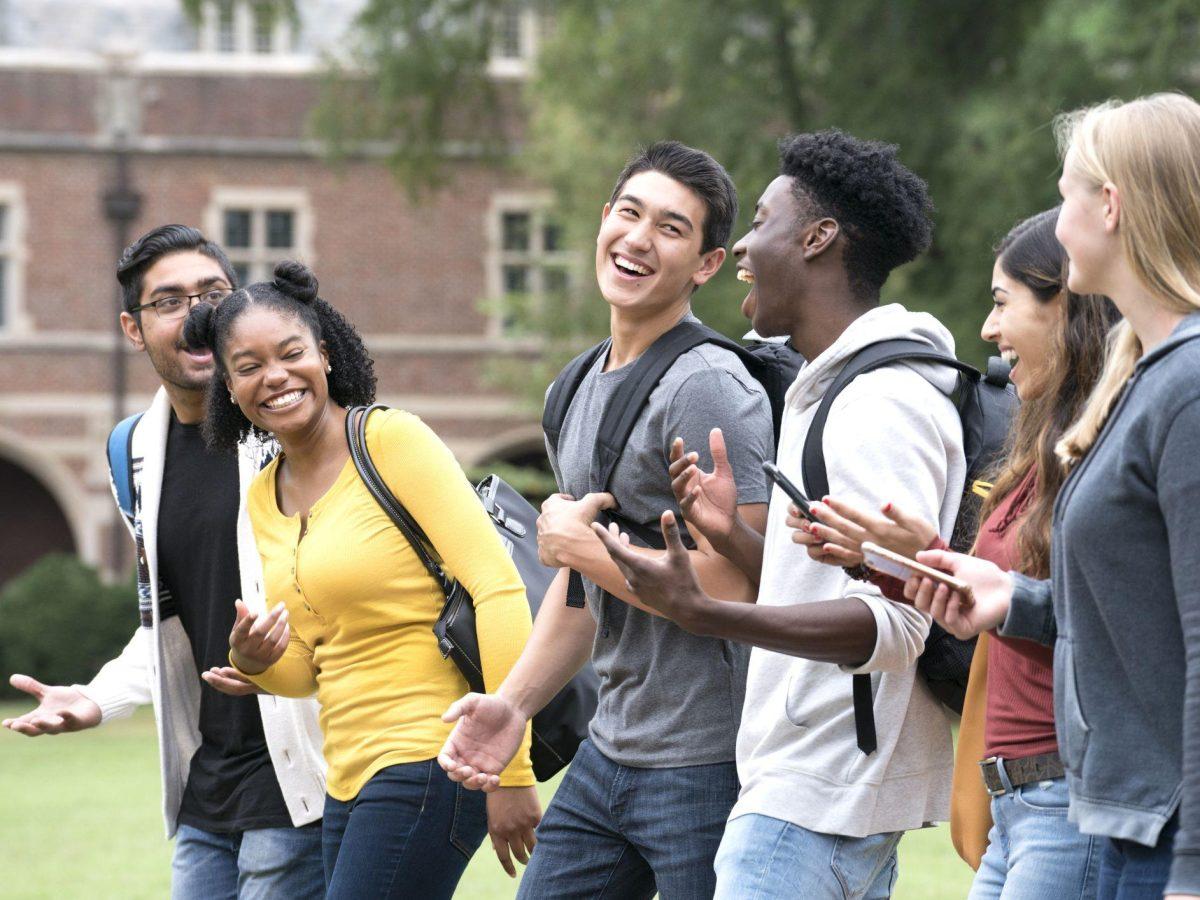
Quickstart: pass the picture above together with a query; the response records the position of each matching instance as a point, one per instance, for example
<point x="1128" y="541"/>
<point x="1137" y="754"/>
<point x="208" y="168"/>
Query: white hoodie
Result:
<point x="891" y="436"/>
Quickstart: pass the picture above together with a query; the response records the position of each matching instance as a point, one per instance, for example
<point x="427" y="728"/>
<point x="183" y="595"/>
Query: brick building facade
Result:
<point x="211" y="123"/>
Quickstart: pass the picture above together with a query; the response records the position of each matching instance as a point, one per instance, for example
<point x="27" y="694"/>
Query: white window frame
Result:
<point x="15" y="250"/>
<point x="258" y="256"/>
<point x="518" y="66"/>
<point x="282" y="38"/>
<point x="537" y="204"/>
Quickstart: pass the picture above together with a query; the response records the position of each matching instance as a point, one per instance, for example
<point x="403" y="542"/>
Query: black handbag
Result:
<point x="562" y="724"/>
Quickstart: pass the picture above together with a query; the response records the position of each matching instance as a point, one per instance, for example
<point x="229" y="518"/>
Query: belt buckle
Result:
<point x="994" y="762"/>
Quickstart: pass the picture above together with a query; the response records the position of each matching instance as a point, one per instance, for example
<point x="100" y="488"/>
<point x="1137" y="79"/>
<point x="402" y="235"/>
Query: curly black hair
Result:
<point x="294" y="291"/>
<point x="883" y="208"/>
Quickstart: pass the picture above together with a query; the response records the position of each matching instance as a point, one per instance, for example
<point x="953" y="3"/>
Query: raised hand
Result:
<point x="708" y="500"/>
<point x="229" y="680"/>
<point x="667" y="582"/>
<point x="838" y="537"/>
<point x="487" y="735"/>
<point x="991" y="589"/>
<point x="60" y="709"/>
<point x="258" y="642"/>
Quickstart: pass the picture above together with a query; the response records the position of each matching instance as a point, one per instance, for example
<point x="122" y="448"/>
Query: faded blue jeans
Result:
<point x="260" y="864"/>
<point x="762" y="857"/>
<point x="615" y="831"/>
<point x="1033" y="851"/>
<point x="410" y="832"/>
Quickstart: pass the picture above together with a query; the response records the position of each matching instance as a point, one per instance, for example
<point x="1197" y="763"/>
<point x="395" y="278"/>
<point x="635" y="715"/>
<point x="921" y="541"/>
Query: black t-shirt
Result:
<point x="232" y="785"/>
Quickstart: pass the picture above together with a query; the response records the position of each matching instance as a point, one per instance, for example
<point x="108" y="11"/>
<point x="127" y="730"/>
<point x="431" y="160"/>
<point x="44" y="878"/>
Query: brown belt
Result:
<point x="1019" y="771"/>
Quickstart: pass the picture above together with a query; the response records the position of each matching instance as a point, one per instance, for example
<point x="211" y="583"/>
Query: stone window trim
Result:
<point x="234" y="27"/>
<point x="514" y="41"/>
<point x="259" y="257"/>
<point x="14" y="251"/>
<point x="535" y="258"/>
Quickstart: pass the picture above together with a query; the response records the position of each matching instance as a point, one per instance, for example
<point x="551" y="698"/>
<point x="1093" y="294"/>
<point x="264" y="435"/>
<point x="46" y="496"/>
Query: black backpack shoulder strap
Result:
<point x="631" y="397"/>
<point x="563" y="390"/>
<point x="873" y="356"/>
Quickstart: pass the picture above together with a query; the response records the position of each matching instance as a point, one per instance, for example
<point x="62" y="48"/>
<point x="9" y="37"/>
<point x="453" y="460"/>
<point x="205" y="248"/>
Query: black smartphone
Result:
<point x="794" y="493"/>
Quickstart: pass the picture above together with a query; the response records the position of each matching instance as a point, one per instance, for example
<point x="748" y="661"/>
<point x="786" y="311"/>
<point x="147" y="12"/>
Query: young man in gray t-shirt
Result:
<point x="643" y="806"/>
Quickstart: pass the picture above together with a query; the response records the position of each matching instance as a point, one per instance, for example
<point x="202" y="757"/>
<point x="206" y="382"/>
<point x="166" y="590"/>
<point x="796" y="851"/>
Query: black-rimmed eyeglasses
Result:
<point x="177" y="307"/>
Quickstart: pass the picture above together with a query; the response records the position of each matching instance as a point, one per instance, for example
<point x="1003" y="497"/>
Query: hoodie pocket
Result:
<point x="1073" y="732"/>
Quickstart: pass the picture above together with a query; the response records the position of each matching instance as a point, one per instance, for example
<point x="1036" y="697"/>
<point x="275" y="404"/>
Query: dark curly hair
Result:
<point x="883" y="209"/>
<point x="294" y="292"/>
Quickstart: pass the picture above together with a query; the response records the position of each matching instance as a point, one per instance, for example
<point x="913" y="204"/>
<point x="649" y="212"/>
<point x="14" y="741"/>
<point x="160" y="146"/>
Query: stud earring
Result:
<point x="233" y="399"/>
<point x="329" y="370"/>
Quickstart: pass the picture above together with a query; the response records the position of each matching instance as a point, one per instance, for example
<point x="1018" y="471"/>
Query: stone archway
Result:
<point x="32" y="523"/>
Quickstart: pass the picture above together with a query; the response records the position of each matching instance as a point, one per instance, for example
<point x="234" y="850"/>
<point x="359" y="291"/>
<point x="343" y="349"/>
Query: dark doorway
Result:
<point x="31" y="522"/>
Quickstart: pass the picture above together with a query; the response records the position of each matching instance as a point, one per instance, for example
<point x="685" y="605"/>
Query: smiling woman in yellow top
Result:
<point x="354" y="605"/>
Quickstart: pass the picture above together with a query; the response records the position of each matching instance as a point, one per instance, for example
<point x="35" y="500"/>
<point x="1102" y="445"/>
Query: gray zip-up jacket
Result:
<point x="1125" y="609"/>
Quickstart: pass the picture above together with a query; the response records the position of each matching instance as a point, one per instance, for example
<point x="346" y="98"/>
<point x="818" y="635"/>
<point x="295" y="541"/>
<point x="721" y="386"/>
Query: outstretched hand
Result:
<point x="258" y="642"/>
<point x="229" y="680"/>
<point x="991" y="589"/>
<point x="838" y="537"/>
<point x="487" y="734"/>
<point x="708" y="500"/>
<point x="667" y="582"/>
<point x="60" y="709"/>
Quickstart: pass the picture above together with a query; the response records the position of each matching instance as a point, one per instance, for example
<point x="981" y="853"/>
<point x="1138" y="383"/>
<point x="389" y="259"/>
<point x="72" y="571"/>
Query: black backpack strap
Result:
<point x="356" y="437"/>
<point x="816" y="477"/>
<point x="564" y="388"/>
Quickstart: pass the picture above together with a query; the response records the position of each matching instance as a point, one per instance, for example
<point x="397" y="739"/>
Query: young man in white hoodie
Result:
<point x="821" y="808"/>
<point x="242" y="772"/>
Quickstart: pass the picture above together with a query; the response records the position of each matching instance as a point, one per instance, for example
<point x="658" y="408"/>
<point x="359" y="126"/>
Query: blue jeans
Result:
<point x="259" y="864"/>
<point x="1033" y="851"/>
<point x="409" y="833"/>
<point x="614" y="831"/>
<point x="1132" y="871"/>
<point x="762" y="857"/>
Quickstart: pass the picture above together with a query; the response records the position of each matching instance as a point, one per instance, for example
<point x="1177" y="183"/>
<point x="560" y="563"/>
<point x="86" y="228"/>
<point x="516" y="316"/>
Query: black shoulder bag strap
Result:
<point x="564" y="388"/>
<point x="356" y="437"/>
<point x="816" y="478"/>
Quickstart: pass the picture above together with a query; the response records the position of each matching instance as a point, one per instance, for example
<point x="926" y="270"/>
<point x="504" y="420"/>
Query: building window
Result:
<point x="258" y="228"/>
<point x="514" y="40"/>
<point x="531" y="267"/>
<point x="12" y="260"/>
<point x="245" y="26"/>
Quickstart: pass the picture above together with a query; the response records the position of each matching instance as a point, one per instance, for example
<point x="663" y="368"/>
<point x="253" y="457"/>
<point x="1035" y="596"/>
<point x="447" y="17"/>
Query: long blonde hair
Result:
<point x="1150" y="149"/>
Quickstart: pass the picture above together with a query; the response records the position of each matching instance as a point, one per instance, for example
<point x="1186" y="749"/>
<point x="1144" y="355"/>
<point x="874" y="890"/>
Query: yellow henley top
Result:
<point x="362" y="607"/>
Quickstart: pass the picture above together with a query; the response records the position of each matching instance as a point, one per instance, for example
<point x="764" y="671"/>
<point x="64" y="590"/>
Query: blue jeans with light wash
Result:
<point x="762" y="857"/>
<point x="259" y="864"/>
<point x="1133" y="871"/>
<point x="409" y="832"/>
<point x="1033" y="851"/>
<point x="622" y="833"/>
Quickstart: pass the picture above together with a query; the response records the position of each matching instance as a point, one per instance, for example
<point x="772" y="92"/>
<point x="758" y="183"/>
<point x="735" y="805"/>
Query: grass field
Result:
<point x="80" y="818"/>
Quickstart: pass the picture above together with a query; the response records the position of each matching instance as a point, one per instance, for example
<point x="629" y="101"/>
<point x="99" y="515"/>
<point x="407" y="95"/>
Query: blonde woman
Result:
<point x="1122" y="607"/>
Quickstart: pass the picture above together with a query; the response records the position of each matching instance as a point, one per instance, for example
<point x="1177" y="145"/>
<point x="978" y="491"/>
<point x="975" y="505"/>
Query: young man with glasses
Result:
<point x="243" y="783"/>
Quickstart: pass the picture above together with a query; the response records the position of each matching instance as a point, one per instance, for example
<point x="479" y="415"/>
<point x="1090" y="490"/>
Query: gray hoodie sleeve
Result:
<point x="1031" y="612"/>
<point x="1178" y="490"/>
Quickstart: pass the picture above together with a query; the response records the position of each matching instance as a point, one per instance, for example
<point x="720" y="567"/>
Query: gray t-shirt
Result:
<point x="667" y="698"/>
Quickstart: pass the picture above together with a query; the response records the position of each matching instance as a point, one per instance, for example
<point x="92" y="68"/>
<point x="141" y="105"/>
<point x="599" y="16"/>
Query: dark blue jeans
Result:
<point x="619" y="832"/>
<point x="1132" y="871"/>
<point x="409" y="833"/>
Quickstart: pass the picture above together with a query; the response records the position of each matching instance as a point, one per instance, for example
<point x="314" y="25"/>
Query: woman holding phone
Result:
<point x="1054" y="340"/>
<point x="1122" y="606"/>
<point x="354" y="604"/>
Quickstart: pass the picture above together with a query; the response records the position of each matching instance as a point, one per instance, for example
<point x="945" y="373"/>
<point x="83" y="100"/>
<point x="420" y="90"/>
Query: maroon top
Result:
<point x="1020" y="680"/>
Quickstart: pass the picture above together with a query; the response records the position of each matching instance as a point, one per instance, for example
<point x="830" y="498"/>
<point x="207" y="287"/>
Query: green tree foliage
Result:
<point x="60" y="623"/>
<point x="968" y="90"/>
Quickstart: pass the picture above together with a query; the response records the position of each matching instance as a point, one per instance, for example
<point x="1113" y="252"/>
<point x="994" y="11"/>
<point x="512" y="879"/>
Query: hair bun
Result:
<point x="296" y="280"/>
<point x="199" y="331"/>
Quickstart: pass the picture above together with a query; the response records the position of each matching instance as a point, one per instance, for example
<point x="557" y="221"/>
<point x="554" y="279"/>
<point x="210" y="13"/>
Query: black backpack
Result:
<point x="773" y="365"/>
<point x="562" y="724"/>
<point x="986" y="404"/>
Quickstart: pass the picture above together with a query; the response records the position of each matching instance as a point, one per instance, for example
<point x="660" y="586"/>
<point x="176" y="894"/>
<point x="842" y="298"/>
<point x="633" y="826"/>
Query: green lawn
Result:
<point x="79" y="818"/>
